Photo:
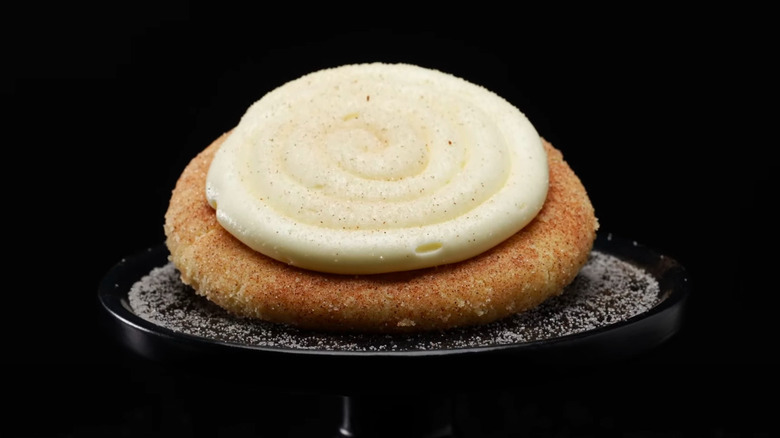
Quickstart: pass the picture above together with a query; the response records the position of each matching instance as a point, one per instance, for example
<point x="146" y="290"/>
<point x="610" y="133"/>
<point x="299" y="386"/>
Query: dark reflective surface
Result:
<point x="622" y="339"/>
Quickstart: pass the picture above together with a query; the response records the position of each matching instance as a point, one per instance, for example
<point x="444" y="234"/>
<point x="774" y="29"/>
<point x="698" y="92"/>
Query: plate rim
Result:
<point x="657" y="324"/>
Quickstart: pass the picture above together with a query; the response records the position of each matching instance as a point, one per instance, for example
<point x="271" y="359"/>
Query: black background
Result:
<point x="658" y="112"/>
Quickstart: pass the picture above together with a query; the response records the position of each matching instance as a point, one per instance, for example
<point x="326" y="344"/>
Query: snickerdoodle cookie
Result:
<point x="379" y="198"/>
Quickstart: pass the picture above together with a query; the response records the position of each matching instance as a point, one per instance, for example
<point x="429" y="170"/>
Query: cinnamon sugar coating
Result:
<point x="534" y="264"/>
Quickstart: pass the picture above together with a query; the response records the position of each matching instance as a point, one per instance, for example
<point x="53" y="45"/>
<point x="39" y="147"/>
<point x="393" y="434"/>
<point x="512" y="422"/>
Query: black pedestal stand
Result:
<point x="408" y="393"/>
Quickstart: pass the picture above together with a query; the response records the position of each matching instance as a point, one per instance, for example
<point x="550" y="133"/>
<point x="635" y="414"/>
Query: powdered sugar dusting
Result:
<point x="607" y="290"/>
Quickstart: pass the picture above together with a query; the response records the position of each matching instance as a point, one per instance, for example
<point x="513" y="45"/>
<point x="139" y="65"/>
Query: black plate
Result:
<point x="626" y="338"/>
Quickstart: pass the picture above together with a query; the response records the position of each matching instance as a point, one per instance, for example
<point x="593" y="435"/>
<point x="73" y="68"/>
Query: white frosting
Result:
<point x="374" y="168"/>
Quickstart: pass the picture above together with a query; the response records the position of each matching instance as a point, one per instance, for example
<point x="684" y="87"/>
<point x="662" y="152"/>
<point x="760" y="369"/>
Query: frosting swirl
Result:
<point x="371" y="168"/>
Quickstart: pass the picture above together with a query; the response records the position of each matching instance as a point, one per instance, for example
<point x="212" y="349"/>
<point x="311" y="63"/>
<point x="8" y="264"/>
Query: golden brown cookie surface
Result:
<point x="534" y="264"/>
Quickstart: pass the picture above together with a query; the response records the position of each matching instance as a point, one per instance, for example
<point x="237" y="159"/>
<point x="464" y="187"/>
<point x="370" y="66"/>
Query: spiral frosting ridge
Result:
<point x="372" y="168"/>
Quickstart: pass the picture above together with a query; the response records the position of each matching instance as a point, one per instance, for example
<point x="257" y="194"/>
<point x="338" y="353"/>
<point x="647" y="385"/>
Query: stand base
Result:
<point x="395" y="415"/>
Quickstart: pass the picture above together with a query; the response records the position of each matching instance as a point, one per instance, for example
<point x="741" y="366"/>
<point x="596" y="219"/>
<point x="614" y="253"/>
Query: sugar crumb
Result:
<point x="606" y="291"/>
